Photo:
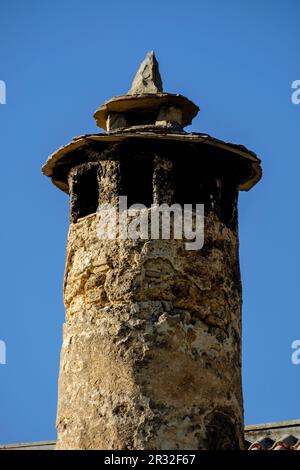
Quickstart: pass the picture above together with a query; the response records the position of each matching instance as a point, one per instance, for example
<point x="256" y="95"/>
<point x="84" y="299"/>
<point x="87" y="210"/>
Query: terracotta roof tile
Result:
<point x="275" y="436"/>
<point x="262" y="444"/>
<point x="296" y="446"/>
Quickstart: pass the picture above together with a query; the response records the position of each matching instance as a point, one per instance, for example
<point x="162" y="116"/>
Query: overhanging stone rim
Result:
<point x="83" y="141"/>
<point x="145" y="102"/>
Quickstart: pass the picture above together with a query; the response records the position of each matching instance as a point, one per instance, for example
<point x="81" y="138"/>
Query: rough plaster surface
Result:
<point x="151" y="348"/>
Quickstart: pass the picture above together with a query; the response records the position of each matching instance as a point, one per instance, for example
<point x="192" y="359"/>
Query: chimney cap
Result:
<point x="146" y="102"/>
<point x="146" y="99"/>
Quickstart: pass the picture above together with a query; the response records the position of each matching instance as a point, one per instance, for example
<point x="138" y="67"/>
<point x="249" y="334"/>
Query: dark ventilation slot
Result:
<point x="139" y="118"/>
<point x="228" y="204"/>
<point x="206" y="182"/>
<point x="191" y="182"/>
<point x="136" y="179"/>
<point x="84" y="191"/>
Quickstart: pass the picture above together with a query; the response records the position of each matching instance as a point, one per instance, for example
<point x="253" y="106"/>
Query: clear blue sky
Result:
<point x="60" y="60"/>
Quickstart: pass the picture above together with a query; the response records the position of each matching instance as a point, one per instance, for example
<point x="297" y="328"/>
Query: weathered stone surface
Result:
<point x="147" y="79"/>
<point x="169" y="114"/>
<point x="151" y="351"/>
<point x="115" y="121"/>
<point x="163" y="181"/>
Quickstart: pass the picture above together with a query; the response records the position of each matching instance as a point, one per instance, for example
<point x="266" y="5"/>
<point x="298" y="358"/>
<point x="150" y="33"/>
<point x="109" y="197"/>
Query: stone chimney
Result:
<point x="151" y="354"/>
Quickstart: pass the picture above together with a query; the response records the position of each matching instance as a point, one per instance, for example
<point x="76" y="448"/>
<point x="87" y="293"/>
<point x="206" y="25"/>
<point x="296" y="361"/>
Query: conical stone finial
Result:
<point x="147" y="79"/>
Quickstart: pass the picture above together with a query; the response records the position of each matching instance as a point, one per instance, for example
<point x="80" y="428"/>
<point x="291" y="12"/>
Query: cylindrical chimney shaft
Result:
<point x="151" y="355"/>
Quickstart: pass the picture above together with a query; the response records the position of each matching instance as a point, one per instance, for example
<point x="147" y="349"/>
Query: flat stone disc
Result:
<point x="146" y="102"/>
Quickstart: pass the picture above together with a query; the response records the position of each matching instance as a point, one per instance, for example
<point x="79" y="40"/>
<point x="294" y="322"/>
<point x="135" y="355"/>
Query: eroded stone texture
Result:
<point x="147" y="79"/>
<point x="115" y="121"/>
<point x="169" y="115"/>
<point x="163" y="181"/>
<point x="151" y="351"/>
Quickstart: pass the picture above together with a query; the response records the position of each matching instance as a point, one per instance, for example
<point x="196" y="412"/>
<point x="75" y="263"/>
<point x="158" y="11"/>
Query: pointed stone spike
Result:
<point x="147" y="79"/>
